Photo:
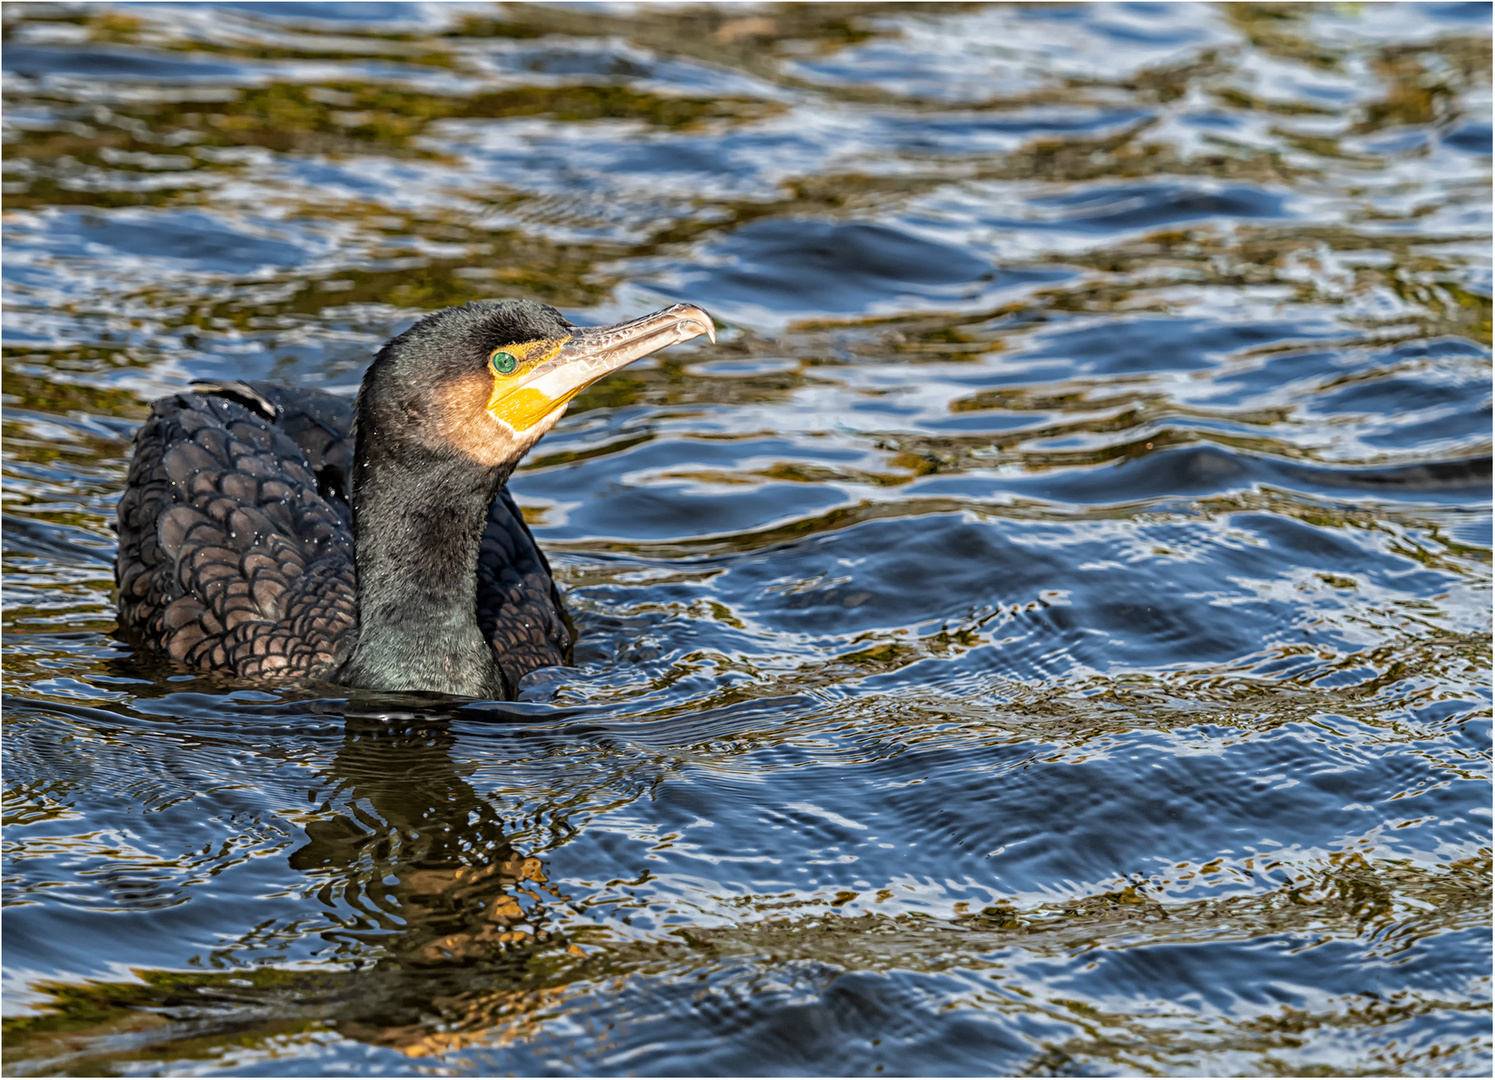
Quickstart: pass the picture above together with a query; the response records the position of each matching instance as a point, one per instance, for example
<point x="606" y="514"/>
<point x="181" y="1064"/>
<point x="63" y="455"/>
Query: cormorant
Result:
<point x="270" y="531"/>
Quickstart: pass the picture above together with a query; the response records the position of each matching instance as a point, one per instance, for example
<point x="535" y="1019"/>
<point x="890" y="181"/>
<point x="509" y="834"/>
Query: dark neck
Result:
<point x="417" y="527"/>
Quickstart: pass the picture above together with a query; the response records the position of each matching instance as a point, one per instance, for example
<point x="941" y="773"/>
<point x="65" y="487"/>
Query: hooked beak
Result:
<point x="589" y="354"/>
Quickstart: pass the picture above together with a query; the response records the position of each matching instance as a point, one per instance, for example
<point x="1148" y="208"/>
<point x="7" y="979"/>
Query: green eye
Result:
<point x="503" y="363"/>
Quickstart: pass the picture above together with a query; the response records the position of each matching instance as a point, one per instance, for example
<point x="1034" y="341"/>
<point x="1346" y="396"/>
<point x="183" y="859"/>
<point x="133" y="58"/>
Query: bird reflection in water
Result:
<point x="416" y="867"/>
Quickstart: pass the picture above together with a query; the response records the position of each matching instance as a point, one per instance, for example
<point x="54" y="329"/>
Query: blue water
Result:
<point x="1048" y="633"/>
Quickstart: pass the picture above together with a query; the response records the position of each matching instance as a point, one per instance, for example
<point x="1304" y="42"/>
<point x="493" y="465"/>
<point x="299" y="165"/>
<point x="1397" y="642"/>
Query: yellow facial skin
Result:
<point x="519" y="406"/>
<point x="547" y="374"/>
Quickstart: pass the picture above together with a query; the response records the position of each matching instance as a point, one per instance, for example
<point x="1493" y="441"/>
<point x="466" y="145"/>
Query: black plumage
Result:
<point x="270" y="531"/>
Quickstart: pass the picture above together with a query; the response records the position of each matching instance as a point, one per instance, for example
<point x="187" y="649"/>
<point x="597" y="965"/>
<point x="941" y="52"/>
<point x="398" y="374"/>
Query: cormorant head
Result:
<point x="488" y="379"/>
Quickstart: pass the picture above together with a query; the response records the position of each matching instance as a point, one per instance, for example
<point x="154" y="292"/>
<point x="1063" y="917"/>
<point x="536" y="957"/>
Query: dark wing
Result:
<point x="519" y="610"/>
<point x="320" y="423"/>
<point x="230" y="555"/>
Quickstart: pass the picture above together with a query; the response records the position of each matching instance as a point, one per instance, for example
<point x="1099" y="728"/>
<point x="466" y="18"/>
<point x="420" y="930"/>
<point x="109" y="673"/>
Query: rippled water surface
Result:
<point x="1048" y="633"/>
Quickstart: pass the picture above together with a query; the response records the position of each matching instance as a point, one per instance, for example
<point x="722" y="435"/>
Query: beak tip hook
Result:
<point x="702" y="320"/>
